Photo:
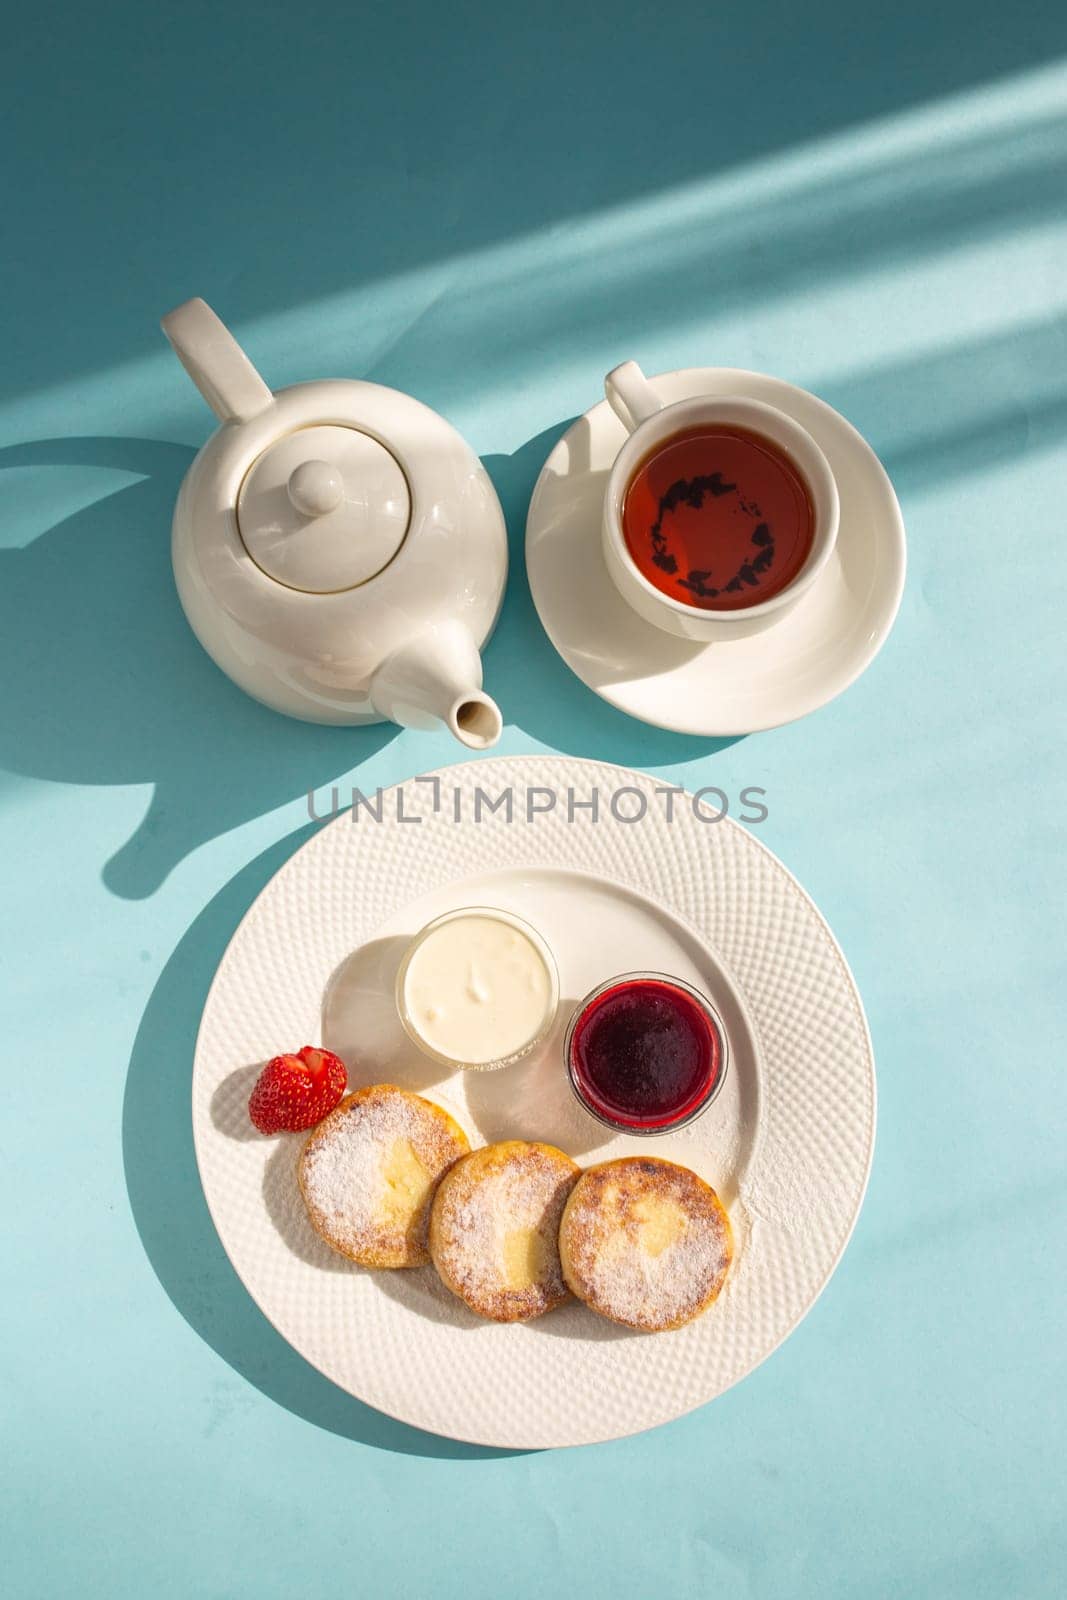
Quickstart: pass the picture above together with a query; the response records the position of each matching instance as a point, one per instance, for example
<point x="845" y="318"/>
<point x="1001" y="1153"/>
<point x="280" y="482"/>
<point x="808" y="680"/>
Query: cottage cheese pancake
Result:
<point x="368" y="1173"/>
<point x="644" y="1242"/>
<point x="494" y="1229"/>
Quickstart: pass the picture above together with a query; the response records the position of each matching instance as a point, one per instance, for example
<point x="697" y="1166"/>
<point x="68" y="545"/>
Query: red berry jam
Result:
<point x="645" y="1053"/>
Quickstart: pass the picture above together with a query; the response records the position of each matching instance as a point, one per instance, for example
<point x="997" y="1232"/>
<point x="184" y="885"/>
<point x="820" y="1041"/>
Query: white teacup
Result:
<point x="650" y="422"/>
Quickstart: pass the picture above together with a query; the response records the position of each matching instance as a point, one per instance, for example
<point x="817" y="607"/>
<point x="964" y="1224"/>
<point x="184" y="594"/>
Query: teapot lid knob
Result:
<point x="324" y="508"/>
<point x="316" y="488"/>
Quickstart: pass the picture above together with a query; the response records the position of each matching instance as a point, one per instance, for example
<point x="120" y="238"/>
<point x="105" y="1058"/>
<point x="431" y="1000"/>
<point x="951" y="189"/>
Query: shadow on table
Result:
<point x="168" y="1203"/>
<point x="472" y="134"/>
<point x="105" y="683"/>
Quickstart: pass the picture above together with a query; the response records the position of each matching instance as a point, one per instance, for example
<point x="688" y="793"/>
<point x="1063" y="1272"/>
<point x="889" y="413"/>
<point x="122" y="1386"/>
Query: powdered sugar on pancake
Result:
<point x="363" y="1192"/>
<point x="645" y="1242"/>
<point x="495" y="1229"/>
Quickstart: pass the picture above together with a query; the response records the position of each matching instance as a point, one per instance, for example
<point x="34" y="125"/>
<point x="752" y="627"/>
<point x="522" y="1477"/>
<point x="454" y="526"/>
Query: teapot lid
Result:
<point x="324" y="508"/>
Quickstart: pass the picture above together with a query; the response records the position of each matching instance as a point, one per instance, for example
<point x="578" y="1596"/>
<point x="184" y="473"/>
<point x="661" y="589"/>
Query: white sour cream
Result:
<point x="477" y="988"/>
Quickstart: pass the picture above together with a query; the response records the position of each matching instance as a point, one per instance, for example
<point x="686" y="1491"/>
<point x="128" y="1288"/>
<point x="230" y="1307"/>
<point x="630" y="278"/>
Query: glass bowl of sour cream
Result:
<point x="477" y="988"/>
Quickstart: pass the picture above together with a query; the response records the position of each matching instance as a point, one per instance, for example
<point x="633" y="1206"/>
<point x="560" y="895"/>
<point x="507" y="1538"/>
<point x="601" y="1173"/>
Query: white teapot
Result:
<point x="339" y="550"/>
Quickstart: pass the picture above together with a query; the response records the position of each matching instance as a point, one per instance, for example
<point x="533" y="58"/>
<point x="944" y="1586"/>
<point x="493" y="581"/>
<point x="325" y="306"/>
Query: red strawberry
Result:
<point x="295" y="1092"/>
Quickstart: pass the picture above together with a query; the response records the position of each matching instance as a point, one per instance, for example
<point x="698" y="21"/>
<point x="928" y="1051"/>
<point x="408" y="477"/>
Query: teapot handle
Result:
<point x="216" y="363"/>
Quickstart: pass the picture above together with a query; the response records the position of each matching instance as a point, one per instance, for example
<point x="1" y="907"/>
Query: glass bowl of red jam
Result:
<point x="646" y="1053"/>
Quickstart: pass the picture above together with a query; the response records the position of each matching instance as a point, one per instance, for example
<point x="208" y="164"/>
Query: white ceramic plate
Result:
<point x="787" y="1143"/>
<point x="744" y="685"/>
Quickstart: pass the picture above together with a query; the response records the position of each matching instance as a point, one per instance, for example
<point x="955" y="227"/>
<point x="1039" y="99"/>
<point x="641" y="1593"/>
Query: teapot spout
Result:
<point x="437" y="677"/>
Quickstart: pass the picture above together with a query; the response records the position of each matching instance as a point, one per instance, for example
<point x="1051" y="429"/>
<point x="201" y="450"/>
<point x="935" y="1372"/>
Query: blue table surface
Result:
<point x="489" y="207"/>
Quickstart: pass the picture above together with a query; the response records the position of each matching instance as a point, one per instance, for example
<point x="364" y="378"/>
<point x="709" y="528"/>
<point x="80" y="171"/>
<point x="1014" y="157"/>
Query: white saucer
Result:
<point x="801" y="662"/>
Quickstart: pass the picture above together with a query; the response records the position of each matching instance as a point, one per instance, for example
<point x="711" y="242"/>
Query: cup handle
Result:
<point x="216" y="363"/>
<point x="631" y="396"/>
